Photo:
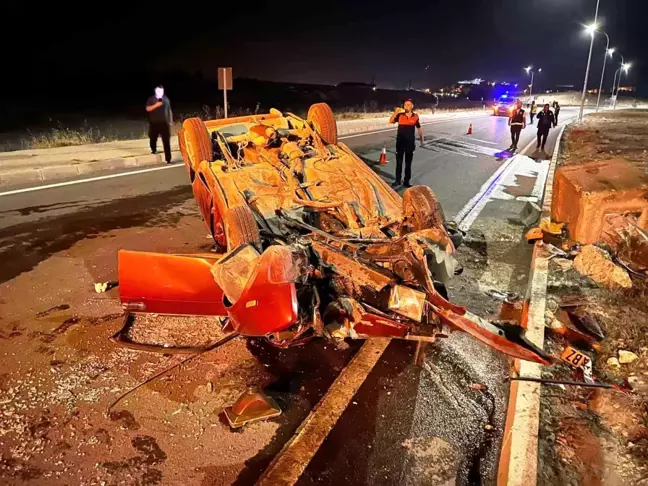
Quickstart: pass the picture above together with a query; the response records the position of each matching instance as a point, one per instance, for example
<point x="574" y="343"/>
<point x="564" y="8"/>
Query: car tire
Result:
<point x="241" y="227"/>
<point x="197" y="142"/>
<point x="321" y="116"/>
<point x="421" y="209"/>
<point x="183" y="150"/>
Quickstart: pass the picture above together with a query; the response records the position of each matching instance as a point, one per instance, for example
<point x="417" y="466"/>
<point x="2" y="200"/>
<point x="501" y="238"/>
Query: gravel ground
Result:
<point x="600" y="437"/>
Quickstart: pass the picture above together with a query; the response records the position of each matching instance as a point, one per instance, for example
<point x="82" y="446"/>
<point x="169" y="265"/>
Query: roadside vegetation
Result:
<point x="99" y="131"/>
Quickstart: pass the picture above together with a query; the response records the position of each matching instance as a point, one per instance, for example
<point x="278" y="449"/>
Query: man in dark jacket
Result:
<point x="546" y="120"/>
<point x="517" y="121"/>
<point x="160" y="117"/>
<point x="556" y="111"/>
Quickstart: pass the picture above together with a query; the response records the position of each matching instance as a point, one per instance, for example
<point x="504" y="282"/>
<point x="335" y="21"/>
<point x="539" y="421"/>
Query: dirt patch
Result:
<point x="604" y="135"/>
<point x="59" y="371"/>
<point x="599" y="437"/>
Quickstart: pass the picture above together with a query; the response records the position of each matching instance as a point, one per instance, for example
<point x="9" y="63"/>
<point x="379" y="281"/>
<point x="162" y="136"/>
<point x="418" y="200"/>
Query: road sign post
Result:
<point x="225" y="83"/>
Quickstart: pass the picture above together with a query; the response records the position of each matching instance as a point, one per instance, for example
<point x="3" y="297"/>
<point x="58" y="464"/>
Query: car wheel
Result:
<point x="197" y="142"/>
<point x="183" y="150"/>
<point x="241" y="227"/>
<point x="321" y="116"/>
<point x="421" y="209"/>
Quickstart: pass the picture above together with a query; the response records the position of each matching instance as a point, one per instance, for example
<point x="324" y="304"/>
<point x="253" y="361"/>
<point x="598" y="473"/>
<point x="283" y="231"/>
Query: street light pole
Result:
<point x="589" y="62"/>
<point x="529" y="70"/>
<point x="531" y="87"/>
<point x="615" y="74"/>
<point x="607" y="51"/>
<point x="624" y="67"/>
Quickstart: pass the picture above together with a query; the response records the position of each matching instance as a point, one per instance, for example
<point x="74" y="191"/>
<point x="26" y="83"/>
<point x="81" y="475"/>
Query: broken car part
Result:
<point x="251" y="406"/>
<point x="216" y="345"/>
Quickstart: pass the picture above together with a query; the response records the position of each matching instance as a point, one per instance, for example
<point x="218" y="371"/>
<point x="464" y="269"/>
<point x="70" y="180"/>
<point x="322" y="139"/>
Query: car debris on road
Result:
<point x="312" y="243"/>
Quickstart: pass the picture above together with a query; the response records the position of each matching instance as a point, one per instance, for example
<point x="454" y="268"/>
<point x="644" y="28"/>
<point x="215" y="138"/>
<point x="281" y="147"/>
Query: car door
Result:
<point x="169" y="284"/>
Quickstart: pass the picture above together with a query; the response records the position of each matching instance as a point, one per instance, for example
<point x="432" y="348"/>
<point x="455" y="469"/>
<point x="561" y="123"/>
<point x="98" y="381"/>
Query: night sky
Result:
<point x="325" y="42"/>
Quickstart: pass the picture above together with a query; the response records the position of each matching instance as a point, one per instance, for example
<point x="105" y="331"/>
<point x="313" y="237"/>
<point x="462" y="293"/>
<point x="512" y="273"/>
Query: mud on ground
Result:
<point x="59" y="370"/>
<point x="606" y="135"/>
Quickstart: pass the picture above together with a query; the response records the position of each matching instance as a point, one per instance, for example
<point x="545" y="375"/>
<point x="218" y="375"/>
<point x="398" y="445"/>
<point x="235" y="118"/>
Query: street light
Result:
<point x="529" y="69"/>
<point x="591" y="28"/>
<point x="609" y="52"/>
<point x="624" y="68"/>
<point x="615" y="74"/>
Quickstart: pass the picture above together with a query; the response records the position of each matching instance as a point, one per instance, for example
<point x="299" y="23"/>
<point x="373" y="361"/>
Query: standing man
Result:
<point x="546" y="120"/>
<point x="533" y="110"/>
<point x="517" y="121"/>
<point x="407" y="121"/>
<point x="556" y="111"/>
<point x="160" y="117"/>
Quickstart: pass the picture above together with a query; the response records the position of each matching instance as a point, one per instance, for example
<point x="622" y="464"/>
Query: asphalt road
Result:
<point x="453" y="164"/>
<point x="408" y="424"/>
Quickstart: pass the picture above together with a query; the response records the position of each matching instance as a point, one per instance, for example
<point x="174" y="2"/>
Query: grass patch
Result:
<point x="66" y="137"/>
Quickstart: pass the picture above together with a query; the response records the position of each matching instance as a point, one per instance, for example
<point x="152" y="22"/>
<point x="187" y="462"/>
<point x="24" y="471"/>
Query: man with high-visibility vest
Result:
<point x="533" y="110"/>
<point x="408" y="123"/>
<point x="517" y="121"/>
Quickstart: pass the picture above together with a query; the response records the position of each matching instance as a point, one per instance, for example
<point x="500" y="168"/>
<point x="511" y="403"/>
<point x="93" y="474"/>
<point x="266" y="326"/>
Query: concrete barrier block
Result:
<point x="96" y="166"/>
<point x="59" y="172"/>
<point x="583" y="195"/>
<point x="150" y="159"/>
<point x="20" y="177"/>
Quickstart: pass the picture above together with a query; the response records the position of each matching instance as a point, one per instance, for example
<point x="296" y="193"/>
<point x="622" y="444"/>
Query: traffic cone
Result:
<point x="383" y="156"/>
<point x="469" y="129"/>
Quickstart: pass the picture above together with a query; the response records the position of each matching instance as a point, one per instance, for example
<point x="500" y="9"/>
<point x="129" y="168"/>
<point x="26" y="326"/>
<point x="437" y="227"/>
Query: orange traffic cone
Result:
<point x="469" y="129"/>
<point x="383" y="156"/>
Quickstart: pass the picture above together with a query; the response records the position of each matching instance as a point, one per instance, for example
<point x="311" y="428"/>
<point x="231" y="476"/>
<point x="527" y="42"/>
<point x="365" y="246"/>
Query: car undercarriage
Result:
<point x="310" y="242"/>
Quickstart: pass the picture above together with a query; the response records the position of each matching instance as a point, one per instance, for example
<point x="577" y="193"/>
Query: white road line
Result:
<point x="479" y="140"/>
<point x="468" y="214"/>
<point x="91" y="179"/>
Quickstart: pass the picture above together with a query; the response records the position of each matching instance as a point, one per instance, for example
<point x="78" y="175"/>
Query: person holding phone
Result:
<point x="160" y="118"/>
<point x="408" y="124"/>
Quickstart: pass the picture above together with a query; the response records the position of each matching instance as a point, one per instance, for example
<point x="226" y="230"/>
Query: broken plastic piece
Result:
<point x="101" y="287"/>
<point x="251" y="406"/>
<point x="407" y="302"/>
<point x="548" y="226"/>
<point x="533" y="235"/>
<point x="508" y="297"/>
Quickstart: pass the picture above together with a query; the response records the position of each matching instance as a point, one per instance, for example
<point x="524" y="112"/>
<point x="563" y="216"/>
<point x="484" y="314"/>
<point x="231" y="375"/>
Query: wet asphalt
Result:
<point x="407" y="424"/>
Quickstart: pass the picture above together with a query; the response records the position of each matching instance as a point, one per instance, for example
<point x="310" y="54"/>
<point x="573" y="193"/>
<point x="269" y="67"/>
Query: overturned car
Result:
<point x="311" y="243"/>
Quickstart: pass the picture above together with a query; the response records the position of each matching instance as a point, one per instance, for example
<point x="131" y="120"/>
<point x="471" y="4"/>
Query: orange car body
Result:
<point x="311" y="241"/>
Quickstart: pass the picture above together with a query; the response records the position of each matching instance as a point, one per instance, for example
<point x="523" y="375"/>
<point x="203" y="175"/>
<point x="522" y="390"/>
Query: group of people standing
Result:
<point x="546" y="120"/>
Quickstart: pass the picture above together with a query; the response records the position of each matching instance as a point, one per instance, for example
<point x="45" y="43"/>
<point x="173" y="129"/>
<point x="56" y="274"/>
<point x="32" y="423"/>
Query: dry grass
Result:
<point x="65" y="137"/>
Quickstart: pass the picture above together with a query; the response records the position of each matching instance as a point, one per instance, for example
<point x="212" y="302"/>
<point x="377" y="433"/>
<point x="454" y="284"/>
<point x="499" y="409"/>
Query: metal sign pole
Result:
<point x="225" y="90"/>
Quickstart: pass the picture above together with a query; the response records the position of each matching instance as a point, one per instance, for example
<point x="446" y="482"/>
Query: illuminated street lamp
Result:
<point x="592" y="29"/>
<point x="529" y="69"/>
<point x="624" y="68"/>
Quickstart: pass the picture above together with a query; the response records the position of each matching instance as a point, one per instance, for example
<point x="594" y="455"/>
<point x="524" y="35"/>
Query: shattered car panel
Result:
<point x="315" y="243"/>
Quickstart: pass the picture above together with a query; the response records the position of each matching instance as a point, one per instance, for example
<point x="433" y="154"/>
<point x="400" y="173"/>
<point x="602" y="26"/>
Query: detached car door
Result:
<point x="169" y="284"/>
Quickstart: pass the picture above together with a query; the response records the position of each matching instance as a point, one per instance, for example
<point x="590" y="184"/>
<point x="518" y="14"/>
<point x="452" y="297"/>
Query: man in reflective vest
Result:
<point x="517" y="121"/>
<point x="408" y="122"/>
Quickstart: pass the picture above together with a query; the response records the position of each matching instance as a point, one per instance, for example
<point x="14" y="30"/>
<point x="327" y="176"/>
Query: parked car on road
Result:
<point x="504" y="106"/>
